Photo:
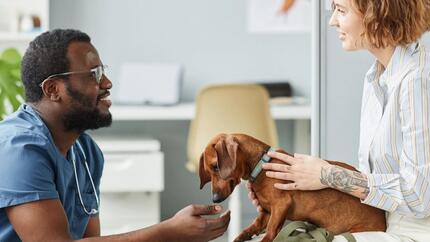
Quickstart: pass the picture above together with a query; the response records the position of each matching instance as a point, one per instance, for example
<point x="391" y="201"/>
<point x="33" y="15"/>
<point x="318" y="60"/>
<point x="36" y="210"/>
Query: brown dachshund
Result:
<point x="229" y="158"/>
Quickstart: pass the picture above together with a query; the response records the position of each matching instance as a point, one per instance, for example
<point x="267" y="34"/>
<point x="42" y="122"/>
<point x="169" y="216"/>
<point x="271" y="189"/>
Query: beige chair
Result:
<point x="230" y="109"/>
<point x="236" y="108"/>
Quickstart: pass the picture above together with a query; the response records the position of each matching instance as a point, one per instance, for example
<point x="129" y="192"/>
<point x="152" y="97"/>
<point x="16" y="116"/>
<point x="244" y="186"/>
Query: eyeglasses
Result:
<point x="96" y="72"/>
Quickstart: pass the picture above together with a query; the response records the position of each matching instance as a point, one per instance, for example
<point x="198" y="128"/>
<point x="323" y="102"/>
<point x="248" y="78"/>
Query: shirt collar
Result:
<point x="41" y="127"/>
<point x="401" y="57"/>
<point x="37" y="120"/>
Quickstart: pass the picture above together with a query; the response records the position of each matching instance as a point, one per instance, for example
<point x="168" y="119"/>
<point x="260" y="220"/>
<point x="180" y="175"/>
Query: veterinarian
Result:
<point x="394" y="149"/>
<point x="51" y="169"/>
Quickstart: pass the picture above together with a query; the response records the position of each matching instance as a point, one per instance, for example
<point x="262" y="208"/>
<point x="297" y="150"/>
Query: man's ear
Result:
<point x="227" y="153"/>
<point x="204" y="176"/>
<point x="51" y="90"/>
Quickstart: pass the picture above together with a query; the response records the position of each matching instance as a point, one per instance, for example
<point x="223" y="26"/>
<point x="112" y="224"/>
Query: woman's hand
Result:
<point x="311" y="173"/>
<point x="303" y="170"/>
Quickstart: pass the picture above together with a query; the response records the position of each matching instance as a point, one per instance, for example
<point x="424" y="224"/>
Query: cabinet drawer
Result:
<point x="123" y="212"/>
<point x="123" y="204"/>
<point x="125" y="172"/>
<point x="124" y="225"/>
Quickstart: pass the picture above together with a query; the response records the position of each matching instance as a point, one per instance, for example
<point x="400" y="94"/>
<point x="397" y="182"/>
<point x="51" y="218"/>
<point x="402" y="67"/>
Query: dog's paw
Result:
<point x="244" y="236"/>
<point x="267" y="239"/>
<point x="238" y="239"/>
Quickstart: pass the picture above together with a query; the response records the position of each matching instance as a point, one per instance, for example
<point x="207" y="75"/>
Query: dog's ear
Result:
<point x="204" y="176"/>
<point x="227" y="152"/>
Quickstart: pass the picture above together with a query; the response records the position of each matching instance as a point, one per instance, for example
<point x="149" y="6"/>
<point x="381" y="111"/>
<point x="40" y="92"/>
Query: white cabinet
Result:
<point x="132" y="180"/>
<point x="122" y="212"/>
<point x="133" y="172"/>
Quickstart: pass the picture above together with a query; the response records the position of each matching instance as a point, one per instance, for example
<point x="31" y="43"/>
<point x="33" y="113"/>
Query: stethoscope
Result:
<point x="73" y="156"/>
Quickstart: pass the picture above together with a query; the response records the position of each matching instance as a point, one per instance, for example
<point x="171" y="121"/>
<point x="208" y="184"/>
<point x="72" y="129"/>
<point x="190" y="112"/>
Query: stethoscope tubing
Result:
<point x="94" y="210"/>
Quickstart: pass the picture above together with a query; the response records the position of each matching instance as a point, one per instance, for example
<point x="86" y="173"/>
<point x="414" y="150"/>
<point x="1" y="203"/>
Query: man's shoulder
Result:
<point x="21" y="140"/>
<point x="21" y="134"/>
<point x="22" y="124"/>
<point x="16" y="135"/>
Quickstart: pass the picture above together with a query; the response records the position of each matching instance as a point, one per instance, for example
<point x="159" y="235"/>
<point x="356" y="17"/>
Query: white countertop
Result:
<point x="186" y="111"/>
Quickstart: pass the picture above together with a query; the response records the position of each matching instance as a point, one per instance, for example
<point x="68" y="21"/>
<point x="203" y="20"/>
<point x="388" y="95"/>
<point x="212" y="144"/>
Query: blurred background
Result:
<point x="162" y="53"/>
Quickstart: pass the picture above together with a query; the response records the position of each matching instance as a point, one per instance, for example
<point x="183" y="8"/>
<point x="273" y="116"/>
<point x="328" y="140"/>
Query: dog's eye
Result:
<point x="215" y="167"/>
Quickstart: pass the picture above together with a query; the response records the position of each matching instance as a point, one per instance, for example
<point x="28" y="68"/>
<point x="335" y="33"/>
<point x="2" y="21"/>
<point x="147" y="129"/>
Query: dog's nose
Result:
<point x="216" y="198"/>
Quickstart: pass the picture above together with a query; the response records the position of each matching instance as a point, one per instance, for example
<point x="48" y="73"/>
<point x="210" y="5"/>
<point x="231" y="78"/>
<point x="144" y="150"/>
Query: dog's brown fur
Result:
<point x="236" y="155"/>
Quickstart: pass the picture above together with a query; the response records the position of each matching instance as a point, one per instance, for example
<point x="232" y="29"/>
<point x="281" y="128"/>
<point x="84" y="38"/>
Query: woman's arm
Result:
<point x="348" y="181"/>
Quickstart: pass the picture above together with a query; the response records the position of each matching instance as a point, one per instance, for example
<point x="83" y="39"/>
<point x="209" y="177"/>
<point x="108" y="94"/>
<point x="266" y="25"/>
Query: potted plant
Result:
<point x="11" y="88"/>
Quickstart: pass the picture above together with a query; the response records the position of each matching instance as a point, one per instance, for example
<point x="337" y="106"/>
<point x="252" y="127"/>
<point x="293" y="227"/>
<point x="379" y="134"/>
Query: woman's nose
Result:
<point x="333" y="20"/>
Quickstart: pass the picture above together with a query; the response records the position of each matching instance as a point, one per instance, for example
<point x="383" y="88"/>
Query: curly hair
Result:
<point x="45" y="56"/>
<point x="398" y="22"/>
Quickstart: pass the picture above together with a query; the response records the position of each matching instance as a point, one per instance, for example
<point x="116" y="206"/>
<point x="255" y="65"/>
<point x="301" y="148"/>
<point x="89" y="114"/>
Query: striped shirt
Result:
<point x="394" y="149"/>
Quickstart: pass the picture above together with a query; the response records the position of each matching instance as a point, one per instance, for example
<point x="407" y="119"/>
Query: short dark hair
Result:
<point x="45" y="56"/>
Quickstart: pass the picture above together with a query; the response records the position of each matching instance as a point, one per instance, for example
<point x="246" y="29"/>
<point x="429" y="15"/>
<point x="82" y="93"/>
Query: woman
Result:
<point x="394" y="150"/>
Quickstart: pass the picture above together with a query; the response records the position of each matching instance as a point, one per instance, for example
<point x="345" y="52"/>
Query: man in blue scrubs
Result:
<point x="50" y="169"/>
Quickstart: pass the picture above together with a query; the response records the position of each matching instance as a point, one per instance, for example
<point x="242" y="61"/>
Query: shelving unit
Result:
<point x="17" y="37"/>
<point x="21" y="21"/>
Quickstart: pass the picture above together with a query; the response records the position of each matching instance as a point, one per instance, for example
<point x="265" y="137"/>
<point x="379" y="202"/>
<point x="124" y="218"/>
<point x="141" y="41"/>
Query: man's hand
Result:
<point x="189" y="225"/>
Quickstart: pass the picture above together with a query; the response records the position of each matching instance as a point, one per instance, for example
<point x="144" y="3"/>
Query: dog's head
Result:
<point x="221" y="163"/>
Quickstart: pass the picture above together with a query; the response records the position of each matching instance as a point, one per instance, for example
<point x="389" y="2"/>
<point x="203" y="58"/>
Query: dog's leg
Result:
<point x="257" y="226"/>
<point x="277" y="218"/>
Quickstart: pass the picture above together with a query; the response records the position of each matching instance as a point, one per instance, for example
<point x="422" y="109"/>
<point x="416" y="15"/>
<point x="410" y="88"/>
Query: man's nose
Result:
<point x="105" y="83"/>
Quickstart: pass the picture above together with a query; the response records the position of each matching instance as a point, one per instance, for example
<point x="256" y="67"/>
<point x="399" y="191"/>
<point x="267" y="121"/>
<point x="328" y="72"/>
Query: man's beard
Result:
<point x="82" y="118"/>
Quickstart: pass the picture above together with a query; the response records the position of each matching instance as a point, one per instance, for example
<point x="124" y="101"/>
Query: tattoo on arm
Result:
<point x="348" y="181"/>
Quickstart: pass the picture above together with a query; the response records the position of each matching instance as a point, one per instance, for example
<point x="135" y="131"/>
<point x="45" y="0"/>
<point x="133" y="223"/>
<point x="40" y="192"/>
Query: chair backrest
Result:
<point x="236" y="108"/>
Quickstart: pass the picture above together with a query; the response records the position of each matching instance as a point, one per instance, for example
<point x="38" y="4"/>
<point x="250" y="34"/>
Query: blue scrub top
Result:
<point x="32" y="168"/>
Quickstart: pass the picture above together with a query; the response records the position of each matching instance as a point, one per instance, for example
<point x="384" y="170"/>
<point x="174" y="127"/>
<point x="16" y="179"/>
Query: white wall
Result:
<point x="426" y="39"/>
<point x="208" y="37"/>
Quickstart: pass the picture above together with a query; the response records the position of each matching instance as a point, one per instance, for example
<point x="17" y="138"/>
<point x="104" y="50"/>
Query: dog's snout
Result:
<point x="217" y="198"/>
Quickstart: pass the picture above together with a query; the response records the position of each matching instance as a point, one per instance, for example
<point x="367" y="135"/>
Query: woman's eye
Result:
<point x="340" y="10"/>
<point x="337" y="9"/>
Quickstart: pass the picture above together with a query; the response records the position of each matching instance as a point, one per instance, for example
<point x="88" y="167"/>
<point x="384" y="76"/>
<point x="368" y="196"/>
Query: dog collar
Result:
<point x="257" y="169"/>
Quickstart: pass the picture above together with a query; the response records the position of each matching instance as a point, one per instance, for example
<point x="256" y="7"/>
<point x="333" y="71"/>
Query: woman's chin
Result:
<point x="348" y="47"/>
